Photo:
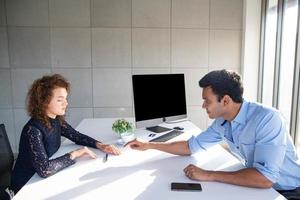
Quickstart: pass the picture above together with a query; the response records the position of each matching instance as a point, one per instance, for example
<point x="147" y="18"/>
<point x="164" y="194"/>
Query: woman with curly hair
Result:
<point x="41" y="136"/>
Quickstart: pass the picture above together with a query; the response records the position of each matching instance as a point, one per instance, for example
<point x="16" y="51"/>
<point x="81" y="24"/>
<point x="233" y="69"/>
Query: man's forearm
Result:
<point x="249" y="177"/>
<point x="177" y="148"/>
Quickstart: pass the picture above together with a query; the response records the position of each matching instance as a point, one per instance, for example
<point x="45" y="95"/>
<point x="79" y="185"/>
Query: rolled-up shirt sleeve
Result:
<point x="205" y="139"/>
<point x="270" y="147"/>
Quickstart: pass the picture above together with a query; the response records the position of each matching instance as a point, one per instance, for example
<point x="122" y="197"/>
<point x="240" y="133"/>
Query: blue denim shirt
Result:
<point x="259" y="137"/>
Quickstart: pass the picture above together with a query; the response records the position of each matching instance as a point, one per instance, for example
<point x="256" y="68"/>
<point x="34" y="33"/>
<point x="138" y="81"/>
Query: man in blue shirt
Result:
<point x="255" y="133"/>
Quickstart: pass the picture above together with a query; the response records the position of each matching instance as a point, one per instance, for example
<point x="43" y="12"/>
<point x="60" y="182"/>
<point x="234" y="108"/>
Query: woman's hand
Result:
<point x="108" y="148"/>
<point x="81" y="152"/>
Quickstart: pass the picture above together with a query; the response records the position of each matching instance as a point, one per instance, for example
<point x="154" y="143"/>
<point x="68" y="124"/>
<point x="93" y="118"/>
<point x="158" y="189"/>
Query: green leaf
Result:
<point x="121" y="126"/>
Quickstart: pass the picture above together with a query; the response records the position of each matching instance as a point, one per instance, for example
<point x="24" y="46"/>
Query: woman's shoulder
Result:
<point x="33" y="126"/>
<point x="33" y="122"/>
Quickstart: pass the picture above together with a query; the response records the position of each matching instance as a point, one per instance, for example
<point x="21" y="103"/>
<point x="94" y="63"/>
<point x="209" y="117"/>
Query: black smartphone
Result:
<point x="186" y="186"/>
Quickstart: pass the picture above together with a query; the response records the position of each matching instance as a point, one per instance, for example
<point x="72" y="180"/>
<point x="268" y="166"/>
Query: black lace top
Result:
<point x="37" y="144"/>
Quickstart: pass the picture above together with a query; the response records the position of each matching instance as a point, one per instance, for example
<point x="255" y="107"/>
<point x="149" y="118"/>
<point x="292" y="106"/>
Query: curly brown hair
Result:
<point x="40" y="94"/>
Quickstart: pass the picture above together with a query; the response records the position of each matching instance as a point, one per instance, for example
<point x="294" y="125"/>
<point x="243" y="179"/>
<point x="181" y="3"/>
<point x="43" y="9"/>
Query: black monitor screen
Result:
<point x="158" y="96"/>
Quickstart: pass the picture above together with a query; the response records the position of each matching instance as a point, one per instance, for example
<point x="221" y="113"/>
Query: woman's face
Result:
<point x="58" y="103"/>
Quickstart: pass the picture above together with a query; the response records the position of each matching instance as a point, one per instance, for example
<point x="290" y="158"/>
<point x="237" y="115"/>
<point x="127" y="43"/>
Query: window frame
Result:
<point x="295" y="110"/>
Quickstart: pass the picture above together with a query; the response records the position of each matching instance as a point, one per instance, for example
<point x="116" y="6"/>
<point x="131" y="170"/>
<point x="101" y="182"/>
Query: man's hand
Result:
<point x="196" y="173"/>
<point x="138" y="145"/>
<point x="81" y="152"/>
<point x="248" y="177"/>
<point x="108" y="148"/>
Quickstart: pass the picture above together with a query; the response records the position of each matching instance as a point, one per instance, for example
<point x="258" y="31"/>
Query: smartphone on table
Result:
<point x="186" y="186"/>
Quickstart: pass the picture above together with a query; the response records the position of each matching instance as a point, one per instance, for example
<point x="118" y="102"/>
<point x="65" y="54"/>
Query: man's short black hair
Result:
<point x="223" y="83"/>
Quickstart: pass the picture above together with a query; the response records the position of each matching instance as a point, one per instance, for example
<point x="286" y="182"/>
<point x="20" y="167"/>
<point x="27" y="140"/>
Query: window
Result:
<point x="269" y="52"/>
<point x="279" y="83"/>
<point x="287" y="58"/>
<point x="298" y="130"/>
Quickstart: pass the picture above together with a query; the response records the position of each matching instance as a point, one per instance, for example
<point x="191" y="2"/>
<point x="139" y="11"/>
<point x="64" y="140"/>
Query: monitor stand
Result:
<point x="158" y="129"/>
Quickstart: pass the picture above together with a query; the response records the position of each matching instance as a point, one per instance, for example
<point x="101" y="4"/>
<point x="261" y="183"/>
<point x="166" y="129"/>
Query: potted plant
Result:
<point x="124" y="129"/>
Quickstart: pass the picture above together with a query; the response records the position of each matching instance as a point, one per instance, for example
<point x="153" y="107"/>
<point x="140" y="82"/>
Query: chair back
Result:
<point x="6" y="154"/>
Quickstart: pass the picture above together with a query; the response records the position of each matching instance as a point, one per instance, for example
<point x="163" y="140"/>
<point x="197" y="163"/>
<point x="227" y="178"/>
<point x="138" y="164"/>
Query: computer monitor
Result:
<point x="158" y="98"/>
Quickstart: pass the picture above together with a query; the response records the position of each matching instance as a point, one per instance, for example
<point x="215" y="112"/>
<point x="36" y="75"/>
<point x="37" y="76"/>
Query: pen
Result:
<point x="105" y="157"/>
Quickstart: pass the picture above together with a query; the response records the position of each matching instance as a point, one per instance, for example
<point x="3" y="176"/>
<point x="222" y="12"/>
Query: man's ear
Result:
<point x="226" y="100"/>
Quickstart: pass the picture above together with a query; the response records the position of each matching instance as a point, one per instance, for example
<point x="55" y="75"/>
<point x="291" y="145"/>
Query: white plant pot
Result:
<point x="127" y="137"/>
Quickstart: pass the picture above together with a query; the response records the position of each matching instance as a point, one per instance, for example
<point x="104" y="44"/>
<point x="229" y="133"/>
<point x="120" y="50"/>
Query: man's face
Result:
<point x="213" y="107"/>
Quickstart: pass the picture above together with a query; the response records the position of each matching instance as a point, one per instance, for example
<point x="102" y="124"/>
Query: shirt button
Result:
<point x="237" y="147"/>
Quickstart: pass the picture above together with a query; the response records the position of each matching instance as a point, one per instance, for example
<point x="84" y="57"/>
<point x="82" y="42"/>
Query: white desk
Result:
<point x="137" y="175"/>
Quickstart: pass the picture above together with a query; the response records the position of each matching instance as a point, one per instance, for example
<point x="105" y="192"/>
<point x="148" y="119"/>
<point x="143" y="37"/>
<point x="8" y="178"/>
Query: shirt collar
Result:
<point x="241" y="116"/>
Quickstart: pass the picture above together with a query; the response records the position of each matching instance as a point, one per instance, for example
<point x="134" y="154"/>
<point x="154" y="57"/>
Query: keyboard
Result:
<point x="158" y="129"/>
<point x="167" y="136"/>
